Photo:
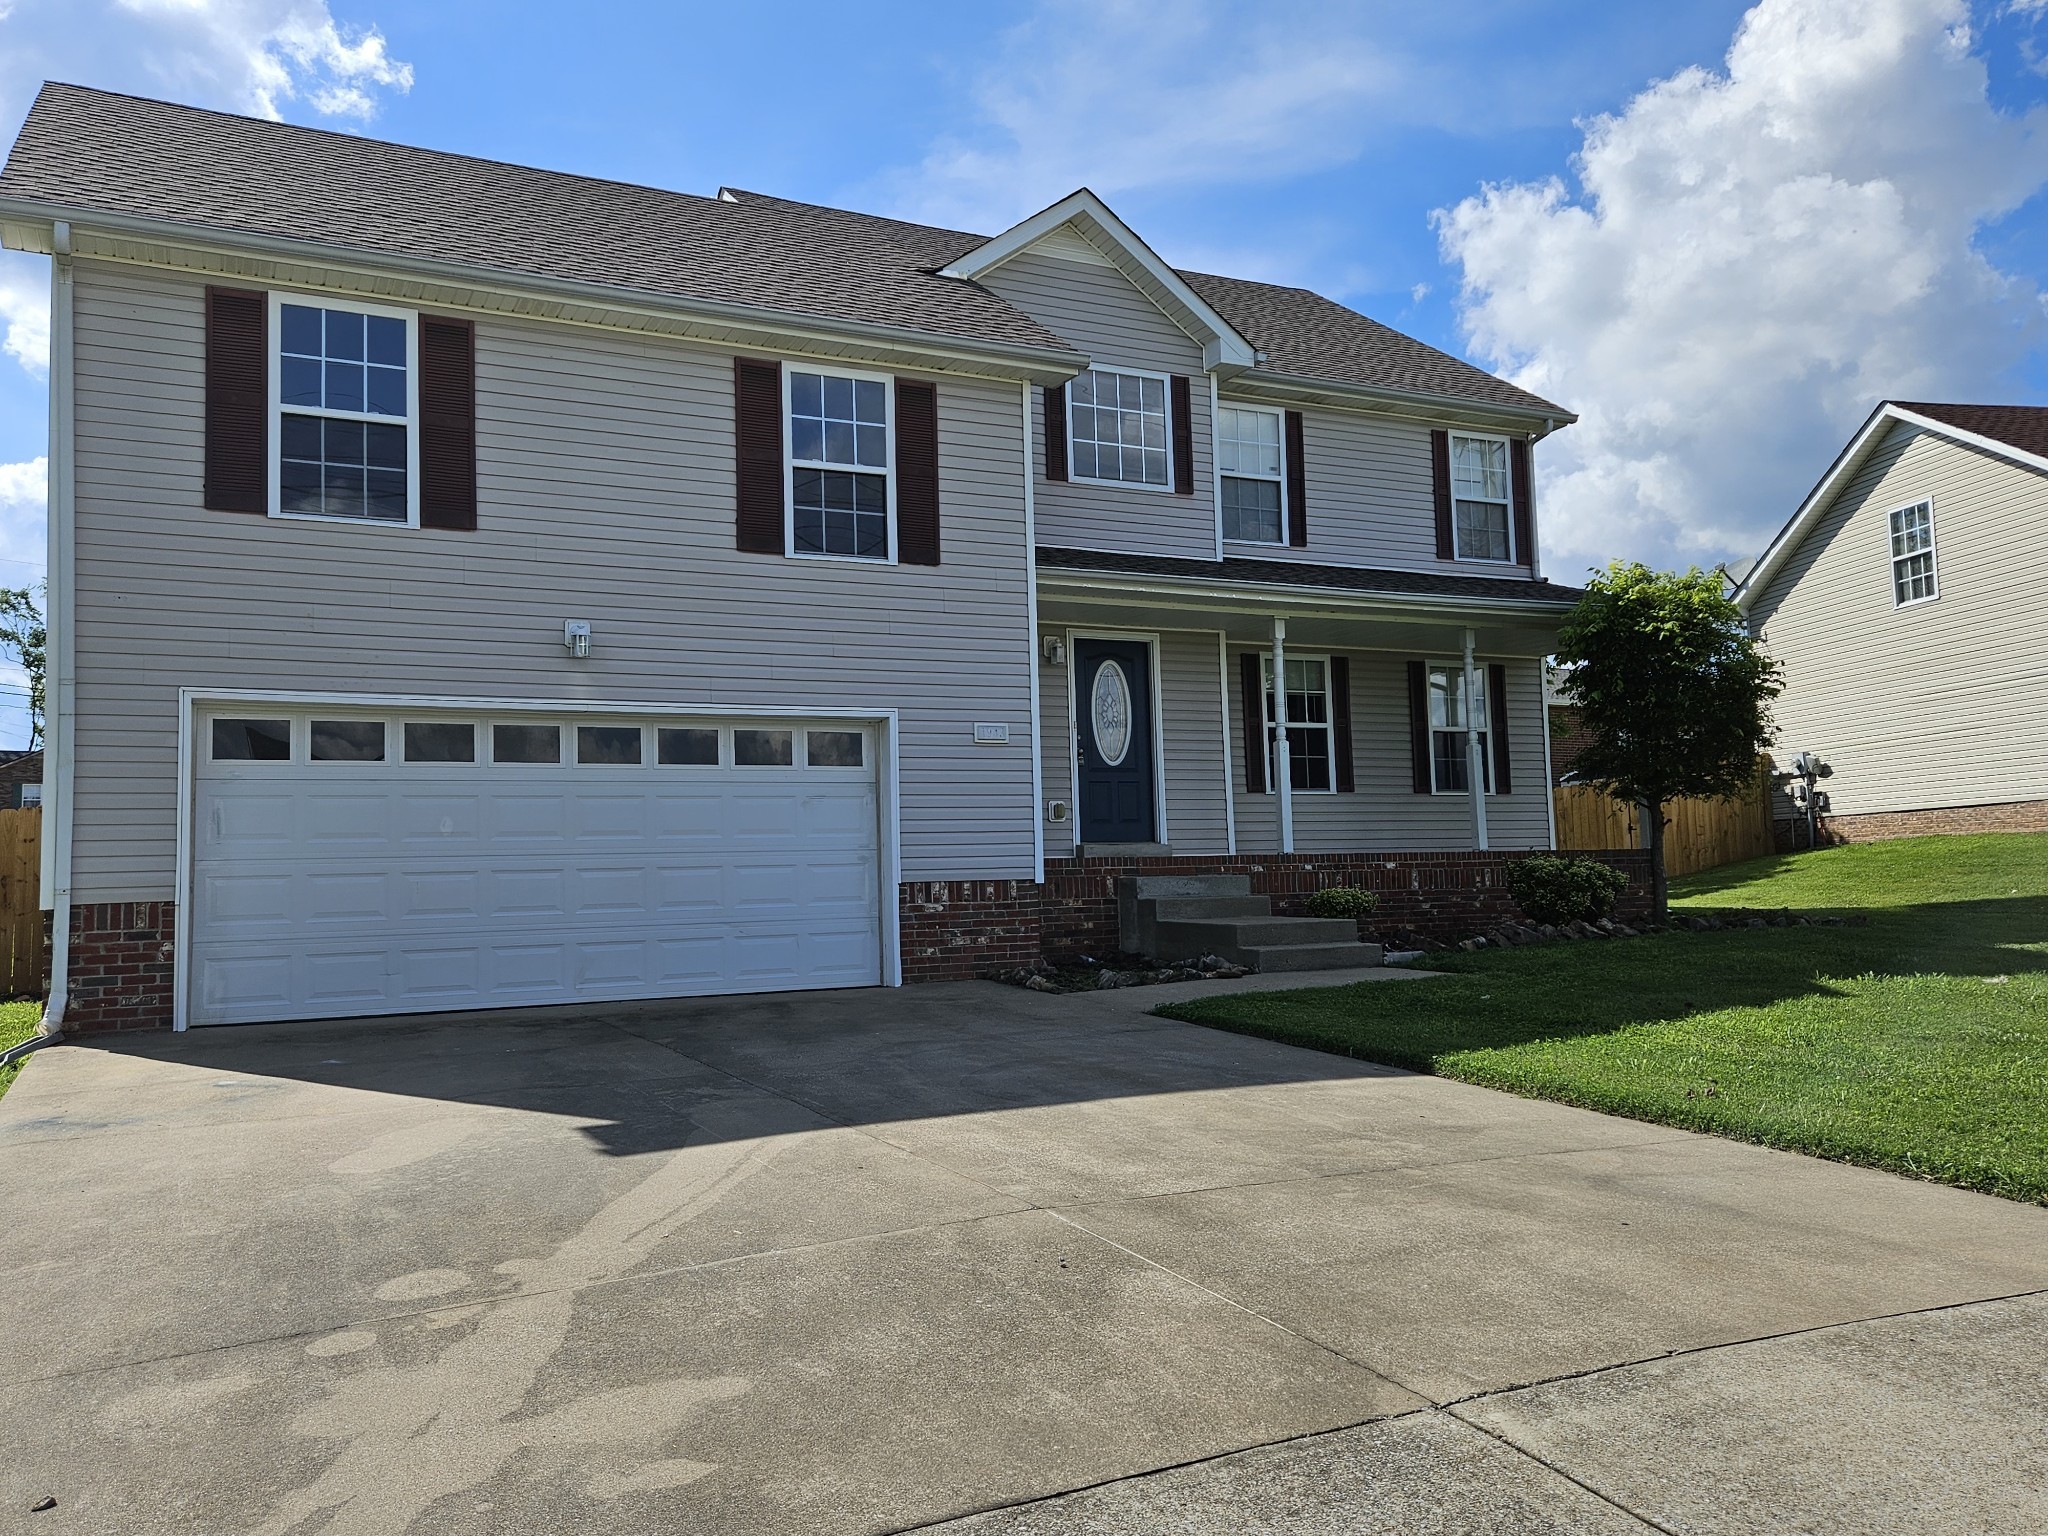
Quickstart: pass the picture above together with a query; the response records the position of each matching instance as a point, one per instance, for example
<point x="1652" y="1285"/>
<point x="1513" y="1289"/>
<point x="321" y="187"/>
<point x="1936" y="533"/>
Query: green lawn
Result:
<point x="17" y="1023"/>
<point x="1918" y="1042"/>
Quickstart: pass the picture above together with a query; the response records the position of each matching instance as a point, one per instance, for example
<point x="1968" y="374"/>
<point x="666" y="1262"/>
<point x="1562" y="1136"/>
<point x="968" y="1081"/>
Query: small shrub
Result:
<point x="1554" y="888"/>
<point x="1342" y="901"/>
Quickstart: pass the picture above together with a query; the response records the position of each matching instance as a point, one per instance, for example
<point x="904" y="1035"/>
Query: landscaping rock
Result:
<point x="1038" y="984"/>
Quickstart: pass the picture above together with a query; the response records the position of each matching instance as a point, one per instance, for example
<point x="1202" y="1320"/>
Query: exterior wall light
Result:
<point x="576" y="636"/>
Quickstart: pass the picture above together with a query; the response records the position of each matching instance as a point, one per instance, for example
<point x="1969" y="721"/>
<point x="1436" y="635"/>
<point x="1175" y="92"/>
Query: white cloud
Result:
<point x="25" y="310"/>
<point x="1752" y="259"/>
<point x="23" y="490"/>
<point x="1100" y="93"/>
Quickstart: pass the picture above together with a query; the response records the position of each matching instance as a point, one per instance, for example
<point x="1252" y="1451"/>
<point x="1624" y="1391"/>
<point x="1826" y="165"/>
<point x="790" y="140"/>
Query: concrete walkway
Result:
<point x="970" y="1258"/>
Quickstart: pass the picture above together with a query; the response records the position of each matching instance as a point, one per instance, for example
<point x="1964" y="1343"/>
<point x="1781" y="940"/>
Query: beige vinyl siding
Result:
<point x="606" y="493"/>
<point x="1385" y="812"/>
<point x="1939" y="703"/>
<point x="1370" y="499"/>
<point x="1191" y="734"/>
<point x="1099" y="311"/>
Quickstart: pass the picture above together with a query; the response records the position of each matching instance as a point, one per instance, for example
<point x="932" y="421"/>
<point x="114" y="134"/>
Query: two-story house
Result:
<point x="475" y="585"/>
<point x="1903" y="600"/>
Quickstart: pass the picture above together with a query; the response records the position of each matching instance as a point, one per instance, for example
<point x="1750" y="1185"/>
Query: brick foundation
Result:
<point x="121" y="967"/>
<point x="954" y="930"/>
<point x="1875" y="826"/>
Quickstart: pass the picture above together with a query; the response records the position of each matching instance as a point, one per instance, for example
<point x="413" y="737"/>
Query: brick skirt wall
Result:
<point x="954" y="930"/>
<point x="1875" y="826"/>
<point x="121" y="967"/>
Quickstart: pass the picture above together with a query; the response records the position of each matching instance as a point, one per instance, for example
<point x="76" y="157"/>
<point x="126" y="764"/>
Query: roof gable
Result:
<point x="1084" y="216"/>
<point x="2016" y="433"/>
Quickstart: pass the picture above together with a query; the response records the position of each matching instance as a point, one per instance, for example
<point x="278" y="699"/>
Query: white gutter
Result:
<point x="1475" y="753"/>
<point x="1334" y="602"/>
<point x="60" y="736"/>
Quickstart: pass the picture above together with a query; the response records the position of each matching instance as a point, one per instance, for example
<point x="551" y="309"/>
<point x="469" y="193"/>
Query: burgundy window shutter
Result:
<point x="1525" y="520"/>
<point x="757" y="438"/>
<point x="1183" y="425"/>
<point x="1253" y="676"/>
<point x="917" y="472"/>
<point x="237" y="401"/>
<point x="1440" y="478"/>
<point x="1497" y="727"/>
<point x="447" y="423"/>
<point x="1340" y="722"/>
<point x="1056" y="432"/>
<point x="1297" y="485"/>
<point x="1418" y="725"/>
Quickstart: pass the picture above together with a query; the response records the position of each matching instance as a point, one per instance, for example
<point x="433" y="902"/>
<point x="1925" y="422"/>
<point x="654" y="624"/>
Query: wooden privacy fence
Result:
<point x="1702" y="834"/>
<point x="22" y="940"/>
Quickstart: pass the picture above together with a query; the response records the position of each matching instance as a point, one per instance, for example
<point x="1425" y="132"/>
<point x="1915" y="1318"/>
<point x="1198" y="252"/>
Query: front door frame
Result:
<point x="1150" y="640"/>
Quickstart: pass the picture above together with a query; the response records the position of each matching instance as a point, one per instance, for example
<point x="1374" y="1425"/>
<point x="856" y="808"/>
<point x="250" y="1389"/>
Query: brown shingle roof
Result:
<point x="94" y="150"/>
<point x="2024" y="427"/>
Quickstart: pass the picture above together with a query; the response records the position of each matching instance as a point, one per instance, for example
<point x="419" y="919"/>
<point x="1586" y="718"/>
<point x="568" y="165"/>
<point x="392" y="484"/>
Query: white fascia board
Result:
<point x="1054" y="581"/>
<point x="1223" y="349"/>
<point x="25" y="226"/>
<point x="1847" y="462"/>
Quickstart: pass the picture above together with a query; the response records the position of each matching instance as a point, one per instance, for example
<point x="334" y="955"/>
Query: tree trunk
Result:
<point x="1660" y="888"/>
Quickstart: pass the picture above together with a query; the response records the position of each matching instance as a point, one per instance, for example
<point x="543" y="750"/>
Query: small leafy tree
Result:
<point x="25" y="637"/>
<point x="1671" y="689"/>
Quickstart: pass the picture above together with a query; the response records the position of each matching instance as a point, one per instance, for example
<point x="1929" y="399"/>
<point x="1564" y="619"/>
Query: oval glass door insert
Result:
<point x="1110" y="710"/>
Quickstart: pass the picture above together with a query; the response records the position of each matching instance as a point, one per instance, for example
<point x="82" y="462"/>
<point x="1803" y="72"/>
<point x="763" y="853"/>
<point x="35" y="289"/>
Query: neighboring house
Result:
<point x="1903" y="600"/>
<point x="21" y="779"/>
<point x="495" y="586"/>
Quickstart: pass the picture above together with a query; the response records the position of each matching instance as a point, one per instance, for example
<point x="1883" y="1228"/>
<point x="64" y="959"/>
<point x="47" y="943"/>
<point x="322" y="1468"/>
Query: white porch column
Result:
<point x="1475" y="751"/>
<point x="1283" y="762"/>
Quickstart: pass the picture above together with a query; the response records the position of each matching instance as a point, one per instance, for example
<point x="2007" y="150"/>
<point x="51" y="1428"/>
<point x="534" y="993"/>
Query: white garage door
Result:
<point x="349" y="861"/>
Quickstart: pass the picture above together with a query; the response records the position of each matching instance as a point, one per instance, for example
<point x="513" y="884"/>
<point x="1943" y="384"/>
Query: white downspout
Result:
<point x="1475" y="752"/>
<point x="60" y="735"/>
<point x="1033" y="657"/>
<point x="1283" y="759"/>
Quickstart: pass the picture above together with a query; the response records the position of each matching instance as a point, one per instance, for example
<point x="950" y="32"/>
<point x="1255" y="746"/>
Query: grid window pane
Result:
<point x="763" y="749"/>
<point x="252" y="741"/>
<point x="1479" y="489"/>
<point x="1248" y="442"/>
<point x="526" y="743"/>
<point x="1482" y="530"/>
<point x="347" y="741"/>
<point x="612" y="744"/>
<point x="1117" y="428"/>
<point x="1309" y="745"/>
<point x="1447" y="720"/>
<point x="832" y="749"/>
<point x="1913" y="554"/>
<point x="335" y="468"/>
<point x="837" y="513"/>
<point x="342" y="360"/>
<point x="440" y="741"/>
<point x="1251" y="510"/>
<point x="689" y="746"/>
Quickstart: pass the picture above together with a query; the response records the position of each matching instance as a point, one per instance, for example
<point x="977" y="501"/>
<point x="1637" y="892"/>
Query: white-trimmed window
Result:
<point x="345" y="411"/>
<point x="1251" y="463"/>
<point x="1117" y="429"/>
<point x="842" y="492"/>
<point x="1309" y="751"/>
<point x="1480" y="498"/>
<point x="1449" y="759"/>
<point x="1913" y="578"/>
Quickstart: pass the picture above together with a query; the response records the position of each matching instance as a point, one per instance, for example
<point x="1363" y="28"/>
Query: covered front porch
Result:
<point x="1413" y="709"/>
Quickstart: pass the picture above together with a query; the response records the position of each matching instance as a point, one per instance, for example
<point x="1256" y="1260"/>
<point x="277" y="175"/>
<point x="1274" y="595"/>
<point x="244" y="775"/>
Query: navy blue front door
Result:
<point x="1113" y="724"/>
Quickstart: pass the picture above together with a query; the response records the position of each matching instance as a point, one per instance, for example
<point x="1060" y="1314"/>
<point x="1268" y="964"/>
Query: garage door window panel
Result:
<point x="252" y="741"/>
<point x="833" y="749"/>
<point x="526" y="743"/>
<point x="347" y="741"/>
<point x="608" y="745"/>
<point x="439" y="741"/>
<point x="688" y="746"/>
<point x="763" y="749"/>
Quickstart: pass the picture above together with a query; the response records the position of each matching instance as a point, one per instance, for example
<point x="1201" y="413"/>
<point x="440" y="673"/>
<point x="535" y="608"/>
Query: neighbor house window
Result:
<point x="1248" y="457"/>
<point x="1308" y="723"/>
<point x="1448" y="706"/>
<point x="1117" y="429"/>
<point x="1479" y="498"/>
<point x="839" y="465"/>
<point x="1913" y="554"/>
<point x="346" y="408"/>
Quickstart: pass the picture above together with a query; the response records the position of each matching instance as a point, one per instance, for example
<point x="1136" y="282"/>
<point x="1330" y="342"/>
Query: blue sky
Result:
<point x="1719" y="233"/>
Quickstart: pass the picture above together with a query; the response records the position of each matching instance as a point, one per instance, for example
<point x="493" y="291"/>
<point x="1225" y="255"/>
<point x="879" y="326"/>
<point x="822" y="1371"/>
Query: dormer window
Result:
<point x="1117" y="429"/>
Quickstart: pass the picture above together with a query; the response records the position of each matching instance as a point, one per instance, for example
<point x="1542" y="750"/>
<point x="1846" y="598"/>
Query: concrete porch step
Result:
<point x="1195" y="909"/>
<point x="1313" y="957"/>
<point x="1170" y="887"/>
<point x="1225" y="936"/>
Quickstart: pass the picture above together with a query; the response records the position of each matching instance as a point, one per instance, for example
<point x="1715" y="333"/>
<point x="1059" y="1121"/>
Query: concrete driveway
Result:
<point x="878" y="1261"/>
